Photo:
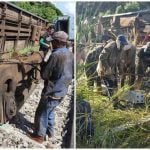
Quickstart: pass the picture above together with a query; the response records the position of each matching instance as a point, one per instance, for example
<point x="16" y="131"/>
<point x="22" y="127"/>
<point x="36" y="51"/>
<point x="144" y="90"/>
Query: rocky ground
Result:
<point x="13" y="134"/>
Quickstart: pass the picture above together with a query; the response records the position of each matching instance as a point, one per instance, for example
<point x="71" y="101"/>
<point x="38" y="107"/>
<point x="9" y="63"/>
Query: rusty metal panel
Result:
<point x="12" y="15"/>
<point x="12" y="28"/>
<point x="15" y="34"/>
<point x="20" y="44"/>
<point x="24" y="34"/>
<point x="9" y="45"/>
<point x="25" y="19"/>
<point x="0" y="13"/>
<point x="34" y="21"/>
<point x="126" y="21"/>
<point x="34" y="32"/>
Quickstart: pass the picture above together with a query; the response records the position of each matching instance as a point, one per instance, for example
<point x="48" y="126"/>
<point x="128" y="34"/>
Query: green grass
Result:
<point x="106" y="118"/>
<point x="28" y="49"/>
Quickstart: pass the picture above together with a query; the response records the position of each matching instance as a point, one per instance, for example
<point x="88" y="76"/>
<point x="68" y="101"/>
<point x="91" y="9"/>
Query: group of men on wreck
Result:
<point x="116" y="59"/>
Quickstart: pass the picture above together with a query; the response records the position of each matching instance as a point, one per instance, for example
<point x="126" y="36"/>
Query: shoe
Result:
<point x="35" y="137"/>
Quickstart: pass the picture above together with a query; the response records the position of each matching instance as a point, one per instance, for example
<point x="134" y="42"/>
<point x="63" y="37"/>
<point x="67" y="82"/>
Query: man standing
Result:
<point x="143" y="63"/>
<point x="109" y="60"/>
<point x="57" y="75"/>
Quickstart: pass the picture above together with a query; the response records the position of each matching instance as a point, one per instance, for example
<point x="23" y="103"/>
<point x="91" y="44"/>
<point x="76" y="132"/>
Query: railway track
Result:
<point x="13" y="134"/>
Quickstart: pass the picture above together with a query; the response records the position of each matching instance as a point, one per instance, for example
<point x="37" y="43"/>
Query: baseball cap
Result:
<point x="122" y="39"/>
<point x="60" y="36"/>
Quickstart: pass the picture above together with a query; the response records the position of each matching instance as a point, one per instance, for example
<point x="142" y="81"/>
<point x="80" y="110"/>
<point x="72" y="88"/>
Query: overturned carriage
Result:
<point x="19" y="29"/>
<point x="124" y="24"/>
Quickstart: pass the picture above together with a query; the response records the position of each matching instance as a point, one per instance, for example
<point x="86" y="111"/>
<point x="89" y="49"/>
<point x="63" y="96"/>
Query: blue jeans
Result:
<point x="45" y="117"/>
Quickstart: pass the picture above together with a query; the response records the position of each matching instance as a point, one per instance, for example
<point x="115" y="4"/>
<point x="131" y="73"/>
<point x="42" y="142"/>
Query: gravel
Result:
<point x="13" y="134"/>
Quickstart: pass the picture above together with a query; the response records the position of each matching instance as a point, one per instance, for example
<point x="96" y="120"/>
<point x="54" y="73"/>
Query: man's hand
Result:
<point x="48" y="46"/>
<point x="108" y="71"/>
<point x="100" y="69"/>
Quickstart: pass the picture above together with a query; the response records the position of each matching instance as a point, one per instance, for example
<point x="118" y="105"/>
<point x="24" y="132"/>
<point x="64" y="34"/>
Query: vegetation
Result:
<point x="45" y="10"/>
<point x="84" y="9"/>
<point x="105" y="118"/>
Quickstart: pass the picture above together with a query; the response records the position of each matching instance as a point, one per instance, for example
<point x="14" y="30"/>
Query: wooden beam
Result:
<point x="2" y="41"/>
<point x="11" y="28"/>
<point x="19" y="27"/>
<point x="16" y="34"/>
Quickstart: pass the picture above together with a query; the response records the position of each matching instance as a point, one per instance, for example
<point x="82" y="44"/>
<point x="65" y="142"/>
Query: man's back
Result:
<point x="58" y="72"/>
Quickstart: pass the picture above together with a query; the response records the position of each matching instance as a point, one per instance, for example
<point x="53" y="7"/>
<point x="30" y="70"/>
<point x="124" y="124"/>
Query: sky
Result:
<point x="67" y="8"/>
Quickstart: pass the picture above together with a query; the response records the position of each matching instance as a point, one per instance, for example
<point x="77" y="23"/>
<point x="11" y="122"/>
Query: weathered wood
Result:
<point x="2" y="42"/>
<point x="19" y="26"/>
<point x="15" y="28"/>
<point x="15" y="34"/>
<point x="16" y="25"/>
<point x="28" y="38"/>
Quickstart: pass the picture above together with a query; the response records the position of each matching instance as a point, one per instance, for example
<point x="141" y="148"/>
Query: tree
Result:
<point x="119" y="9"/>
<point x="45" y="10"/>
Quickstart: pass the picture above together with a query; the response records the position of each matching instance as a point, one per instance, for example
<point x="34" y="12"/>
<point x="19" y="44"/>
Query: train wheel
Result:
<point x="10" y="105"/>
<point x="8" y="96"/>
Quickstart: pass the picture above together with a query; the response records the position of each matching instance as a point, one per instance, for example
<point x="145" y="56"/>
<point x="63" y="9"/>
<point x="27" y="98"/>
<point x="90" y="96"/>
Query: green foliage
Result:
<point x="106" y="120"/>
<point x="134" y="6"/>
<point x="45" y="10"/>
<point x="119" y="9"/>
<point x="91" y="9"/>
<point x="104" y="116"/>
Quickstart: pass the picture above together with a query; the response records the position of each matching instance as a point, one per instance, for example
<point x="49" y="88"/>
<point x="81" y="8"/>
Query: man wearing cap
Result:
<point x="57" y="75"/>
<point x="109" y="60"/>
<point x="45" y="39"/>
<point x="143" y="62"/>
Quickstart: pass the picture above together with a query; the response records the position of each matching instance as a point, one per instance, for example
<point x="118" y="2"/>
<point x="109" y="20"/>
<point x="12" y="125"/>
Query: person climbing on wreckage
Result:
<point x="45" y="39"/>
<point x="109" y="61"/>
<point x="57" y="75"/>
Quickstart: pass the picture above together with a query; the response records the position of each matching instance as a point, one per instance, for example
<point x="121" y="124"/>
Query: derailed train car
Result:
<point x="124" y="24"/>
<point x="19" y="74"/>
<point x="19" y="29"/>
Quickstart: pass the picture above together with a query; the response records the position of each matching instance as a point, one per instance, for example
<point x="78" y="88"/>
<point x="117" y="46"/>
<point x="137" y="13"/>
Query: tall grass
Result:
<point x="105" y="119"/>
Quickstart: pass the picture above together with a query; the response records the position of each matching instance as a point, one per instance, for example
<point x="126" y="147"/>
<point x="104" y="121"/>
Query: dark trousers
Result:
<point x="45" y="116"/>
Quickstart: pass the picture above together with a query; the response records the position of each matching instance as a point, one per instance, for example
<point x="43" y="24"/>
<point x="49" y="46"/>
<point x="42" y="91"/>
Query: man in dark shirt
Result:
<point x="57" y="75"/>
<point x="143" y="62"/>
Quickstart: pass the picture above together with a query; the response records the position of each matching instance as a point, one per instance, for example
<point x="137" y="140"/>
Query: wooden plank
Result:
<point x="28" y="39"/>
<point x="15" y="34"/>
<point x="19" y="27"/>
<point x="2" y="41"/>
<point x="25" y="30"/>
<point x="15" y="28"/>
<point x="11" y="14"/>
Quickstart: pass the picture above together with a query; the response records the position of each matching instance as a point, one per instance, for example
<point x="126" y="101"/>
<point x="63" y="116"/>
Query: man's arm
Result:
<point x="43" y="43"/>
<point x="103" y="57"/>
<point x="47" y="69"/>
